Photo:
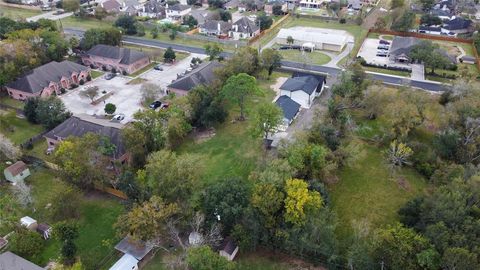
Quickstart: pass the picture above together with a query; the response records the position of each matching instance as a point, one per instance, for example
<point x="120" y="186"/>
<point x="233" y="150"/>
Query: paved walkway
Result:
<point x="336" y="58"/>
<point x="418" y="72"/>
<point x="50" y="15"/>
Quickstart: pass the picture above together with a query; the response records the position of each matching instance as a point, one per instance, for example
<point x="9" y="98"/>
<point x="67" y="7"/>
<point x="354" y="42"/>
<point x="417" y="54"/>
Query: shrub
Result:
<point x="73" y="85"/>
<point x="89" y="77"/>
<point x="62" y="90"/>
<point x="81" y="82"/>
<point x="104" y="68"/>
<point x="343" y="20"/>
<point x="104" y="92"/>
<point x="114" y="70"/>
<point x="124" y="73"/>
<point x="26" y="243"/>
<point x="92" y="66"/>
<point x="110" y="108"/>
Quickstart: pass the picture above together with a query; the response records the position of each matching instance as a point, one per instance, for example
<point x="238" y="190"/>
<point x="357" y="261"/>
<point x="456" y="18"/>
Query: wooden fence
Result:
<point x="431" y="37"/>
<point x="115" y="192"/>
<point x="267" y="31"/>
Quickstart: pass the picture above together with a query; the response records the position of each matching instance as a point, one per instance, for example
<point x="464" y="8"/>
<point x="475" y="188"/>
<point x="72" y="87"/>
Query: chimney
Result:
<point x="219" y="28"/>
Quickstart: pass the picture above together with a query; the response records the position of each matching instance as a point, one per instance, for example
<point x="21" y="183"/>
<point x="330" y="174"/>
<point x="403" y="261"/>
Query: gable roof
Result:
<point x="457" y="24"/>
<point x="203" y="75"/>
<point x="403" y="45"/>
<point x="154" y="6"/>
<point x="16" y="168"/>
<point x="178" y="7"/>
<point x="35" y="80"/>
<point x="125" y="55"/>
<point x="246" y="26"/>
<point x="135" y="248"/>
<point x="232" y="4"/>
<point x="289" y="107"/>
<point x="201" y="15"/>
<point x="430" y="28"/>
<point x="307" y="84"/>
<point x="212" y="25"/>
<point x="111" y="5"/>
<point x="77" y="127"/>
<point x="228" y="246"/>
<point x="11" y="261"/>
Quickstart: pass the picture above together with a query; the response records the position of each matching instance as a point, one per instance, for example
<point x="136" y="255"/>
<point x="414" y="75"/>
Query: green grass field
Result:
<point x="84" y="23"/>
<point x="156" y="54"/>
<point x="315" y="57"/>
<point x="11" y="102"/>
<point x="17" y="13"/>
<point x="387" y="71"/>
<point x="17" y="129"/>
<point x="96" y="73"/>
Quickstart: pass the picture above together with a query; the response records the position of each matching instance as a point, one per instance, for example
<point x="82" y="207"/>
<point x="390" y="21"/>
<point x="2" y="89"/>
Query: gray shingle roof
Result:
<point x="457" y="24"/>
<point x="246" y="26"/>
<point x="154" y="6"/>
<point x="289" y="107"/>
<point x="307" y="84"/>
<point x="136" y="248"/>
<point x="202" y="75"/>
<point x="125" y="55"/>
<point x="178" y="7"/>
<point x="403" y="45"/>
<point x="11" y="261"/>
<point x="228" y="245"/>
<point x="212" y="25"/>
<point x="111" y="5"/>
<point x="40" y="77"/>
<point x="74" y="126"/>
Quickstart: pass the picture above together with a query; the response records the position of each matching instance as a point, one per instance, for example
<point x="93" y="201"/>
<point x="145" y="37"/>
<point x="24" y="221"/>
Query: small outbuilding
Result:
<point x="16" y="172"/>
<point x="468" y="60"/>
<point x="229" y="249"/>
<point x="126" y="262"/>
<point x="44" y="230"/>
<point x="290" y="110"/>
<point x="29" y="223"/>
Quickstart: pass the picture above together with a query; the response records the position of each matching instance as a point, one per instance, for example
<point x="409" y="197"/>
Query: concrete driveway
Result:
<point x="127" y="98"/>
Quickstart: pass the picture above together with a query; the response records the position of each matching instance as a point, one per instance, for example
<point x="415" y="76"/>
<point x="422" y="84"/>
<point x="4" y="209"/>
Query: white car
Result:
<point x="118" y="117"/>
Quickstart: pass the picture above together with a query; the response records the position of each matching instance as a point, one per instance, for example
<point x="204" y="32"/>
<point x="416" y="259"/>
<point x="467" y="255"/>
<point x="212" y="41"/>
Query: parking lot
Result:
<point x="126" y="97"/>
<point x="368" y="51"/>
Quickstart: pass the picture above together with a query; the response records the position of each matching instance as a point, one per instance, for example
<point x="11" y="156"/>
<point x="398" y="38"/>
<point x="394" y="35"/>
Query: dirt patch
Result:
<point x="203" y="135"/>
<point x="404" y="184"/>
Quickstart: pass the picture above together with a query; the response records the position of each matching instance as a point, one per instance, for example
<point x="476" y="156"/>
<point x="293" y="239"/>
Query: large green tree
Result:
<point x="108" y="36"/>
<point x="51" y="112"/>
<point x="271" y="59"/>
<point x="200" y="258"/>
<point x="239" y="89"/>
<point x="266" y="121"/>
<point x="429" y="54"/>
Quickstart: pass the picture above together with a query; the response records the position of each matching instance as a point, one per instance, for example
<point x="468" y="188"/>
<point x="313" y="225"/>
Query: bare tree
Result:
<point x="8" y="149"/>
<point x="90" y="92"/>
<point x="150" y="92"/>
<point x="211" y="237"/>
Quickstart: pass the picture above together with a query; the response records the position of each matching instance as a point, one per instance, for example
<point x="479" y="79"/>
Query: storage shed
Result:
<point x="16" y="172"/>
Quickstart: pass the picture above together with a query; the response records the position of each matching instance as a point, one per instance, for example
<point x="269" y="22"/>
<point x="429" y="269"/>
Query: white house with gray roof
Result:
<point x="290" y="110"/>
<point x="243" y="28"/>
<point x="177" y="12"/>
<point x="303" y="88"/>
<point x="214" y="28"/>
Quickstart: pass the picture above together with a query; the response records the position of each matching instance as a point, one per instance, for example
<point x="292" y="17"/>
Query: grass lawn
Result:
<point x="315" y="57"/>
<point x="187" y="41"/>
<point x="143" y="70"/>
<point x="8" y="101"/>
<point x="232" y="151"/>
<point x="96" y="73"/>
<point x="368" y="192"/>
<point x="387" y="71"/>
<point x="17" y="129"/>
<point x="86" y="23"/>
<point x="17" y="13"/>
<point x="156" y="54"/>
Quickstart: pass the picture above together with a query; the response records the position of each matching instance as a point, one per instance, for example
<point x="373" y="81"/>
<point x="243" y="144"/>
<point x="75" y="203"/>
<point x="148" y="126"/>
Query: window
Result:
<point x="21" y="95"/>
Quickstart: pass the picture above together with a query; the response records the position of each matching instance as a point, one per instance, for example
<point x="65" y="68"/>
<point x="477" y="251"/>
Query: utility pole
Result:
<point x="382" y="265"/>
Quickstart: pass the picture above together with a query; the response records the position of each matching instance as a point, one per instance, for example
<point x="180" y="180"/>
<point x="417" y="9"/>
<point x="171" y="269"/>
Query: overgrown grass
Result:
<point x="156" y="54"/>
<point x="17" y="129"/>
<point x="143" y="70"/>
<point x="84" y="23"/>
<point x="17" y="13"/>
<point x="12" y="102"/>
<point x="315" y="57"/>
<point x="388" y="71"/>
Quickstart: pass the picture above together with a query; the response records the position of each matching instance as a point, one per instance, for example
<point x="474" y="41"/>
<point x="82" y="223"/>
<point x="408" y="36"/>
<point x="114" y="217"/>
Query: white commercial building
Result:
<point x="323" y="39"/>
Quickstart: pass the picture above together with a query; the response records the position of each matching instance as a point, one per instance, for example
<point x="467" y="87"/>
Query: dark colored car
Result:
<point x="384" y="42"/>
<point x="155" y="104"/>
<point x="381" y="55"/>
<point x="383" y="47"/>
<point x="110" y="76"/>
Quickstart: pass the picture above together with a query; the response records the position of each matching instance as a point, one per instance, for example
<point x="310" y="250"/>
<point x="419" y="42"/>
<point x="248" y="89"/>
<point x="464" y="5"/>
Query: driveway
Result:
<point x="418" y="72"/>
<point x="49" y="15"/>
<point x="127" y="98"/>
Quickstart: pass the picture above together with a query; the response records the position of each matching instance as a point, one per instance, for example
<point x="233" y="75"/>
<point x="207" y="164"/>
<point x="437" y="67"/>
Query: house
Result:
<point x="457" y="25"/>
<point x="229" y="249"/>
<point x="354" y="5"/>
<point x="115" y="58"/>
<point x="202" y="75"/>
<point x="48" y="79"/>
<point x="322" y="38"/>
<point x="29" y="223"/>
<point x="29" y="2"/>
<point x="431" y="30"/>
<point x="269" y="6"/>
<point x="303" y="88"/>
<point x="232" y="4"/>
<point x="401" y="47"/>
<point x="126" y="262"/>
<point x="202" y="15"/>
<point x="152" y="9"/>
<point x="250" y="5"/>
<point x="244" y="28"/>
<point x="315" y="4"/>
<point x="11" y="261"/>
<point x="78" y="126"/>
<point x="177" y="12"/>
<point x="443" y="14"/>
<point x="290" y="110"/>
<point x="16" y="172"/>
<point x="111" y="6"/>
<point x="214" y="28"/>
<point x="44" y="230"/>
<point x="130" y="7"/>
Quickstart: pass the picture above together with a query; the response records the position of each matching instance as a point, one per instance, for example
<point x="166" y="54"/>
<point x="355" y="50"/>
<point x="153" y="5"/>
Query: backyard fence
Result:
<point x="33" y="139"/>
<point x="238" y="43"/>
<point x="115" y="192"/>
<point x="431" y="37"/>
<point x="269" y="30"/>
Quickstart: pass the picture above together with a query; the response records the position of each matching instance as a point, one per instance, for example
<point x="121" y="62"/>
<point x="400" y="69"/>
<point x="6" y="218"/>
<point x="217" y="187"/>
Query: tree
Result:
<point x="427" y="4"/>
<point x="213" y="50"/>
<point x="268" y="200"/>
<point x="264" y="21"/>
<point x="429" y="54"/>
<point x="108" y="36"/>
<point x="154" y="32"/>
<point x="271" y="59"/>
<point x="299" y="200"/>
<point x="65" y="204"/>
<point x="51" y="112"/>
<point x="26" y="243"/>
<point x="8" y="149"/>
<point x="66" y="233"/>
<point x="268" y="117"/>
<point x="127" y="23"/>
<point x="173" y="34"/>
<point x="459" y="258"/>
<point x="91" y="92"/>
<point x="399" y="154"/>
<point x="405" y="22"/>
<point x="429" y="19"/>
<point x="150" y="92"/>
<point x="225" y="202"/>
<point x="225" y="15"/>
<point x="207" y="107"/>
<point x="169" y="55"/>
<point x="100" y="13"/>
<point x="277" y="10"/>
<point x="215" y="3"/>
<point x="190" y="21"/>
<point x="110" y="108"/>
<point x="203" y="257"/>
<point x="238" y="88"/>
<point x="290" y="40"/>
<point x="397" y="4"/>
<point x="380" y="23"/>
<point x="71" y="5"/>
<point x="154" y="215"/>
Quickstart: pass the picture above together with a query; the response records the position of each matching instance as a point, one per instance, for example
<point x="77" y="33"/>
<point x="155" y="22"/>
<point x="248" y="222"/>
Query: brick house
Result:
<point x="112" y="57"/>
<point x="48" y="79"/>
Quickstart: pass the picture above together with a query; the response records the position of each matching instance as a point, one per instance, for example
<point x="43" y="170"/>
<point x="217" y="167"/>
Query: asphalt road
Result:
<point x="332" y="71"/>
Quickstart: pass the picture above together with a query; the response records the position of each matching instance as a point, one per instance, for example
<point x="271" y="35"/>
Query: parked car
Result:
<point x="118" y="117"/>
<point x="384" y="42"/>
<point x="381" y="55"/>
<point x="383" y="47"/>
<point x="158" y="67"/>
<point x="155" y="104"/>
<point x="110" y="76"/>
